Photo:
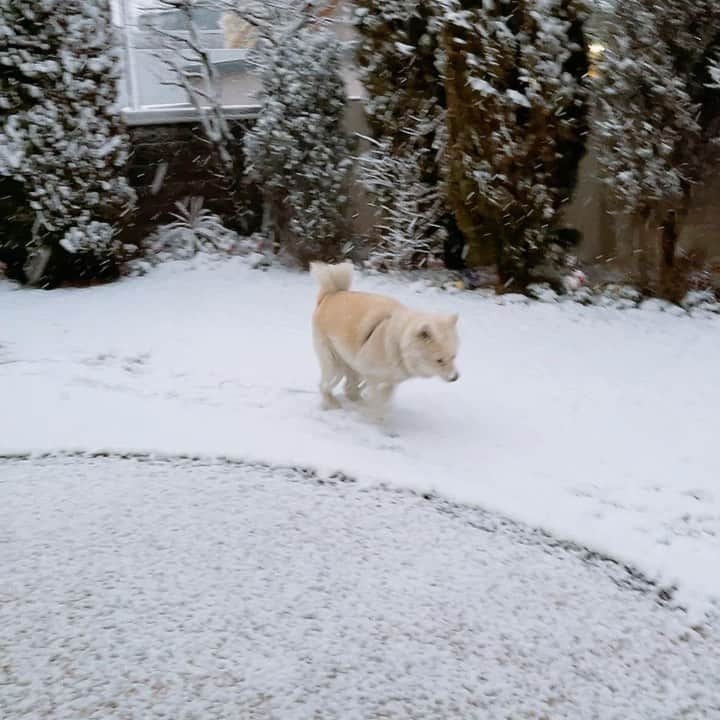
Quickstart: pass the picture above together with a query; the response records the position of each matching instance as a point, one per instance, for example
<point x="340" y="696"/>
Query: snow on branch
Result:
<point x="202" y="86"/>
<point x="714" y="70"/>
<point x="298" y="150"/>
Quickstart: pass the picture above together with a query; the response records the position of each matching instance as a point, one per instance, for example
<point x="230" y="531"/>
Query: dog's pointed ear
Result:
<point x="424" y="333"/>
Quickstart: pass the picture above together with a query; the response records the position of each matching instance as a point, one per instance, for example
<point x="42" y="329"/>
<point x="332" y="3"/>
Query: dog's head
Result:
<point x="430" y="347"/>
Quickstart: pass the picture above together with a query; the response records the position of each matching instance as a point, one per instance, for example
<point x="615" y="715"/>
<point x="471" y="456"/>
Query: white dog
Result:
<point x="373" y="342"/>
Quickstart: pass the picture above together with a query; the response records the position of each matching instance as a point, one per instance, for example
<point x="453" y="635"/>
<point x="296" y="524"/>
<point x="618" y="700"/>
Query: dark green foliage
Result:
<point x="398" y="54"/>
<point x="62" y="139"/>
<point x="299" y="150"/>
<point x="517" y="122"/>
<point x="658" y="123"/>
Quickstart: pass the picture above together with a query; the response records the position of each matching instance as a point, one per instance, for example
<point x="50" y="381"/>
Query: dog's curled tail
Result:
<point x="331" y="278"/>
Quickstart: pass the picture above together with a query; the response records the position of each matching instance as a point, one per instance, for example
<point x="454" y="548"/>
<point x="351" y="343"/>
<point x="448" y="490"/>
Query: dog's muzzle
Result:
<point x="454" y="378"/>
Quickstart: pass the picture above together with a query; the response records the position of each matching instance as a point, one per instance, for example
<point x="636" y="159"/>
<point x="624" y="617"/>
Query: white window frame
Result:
<point x="134" y="110"/>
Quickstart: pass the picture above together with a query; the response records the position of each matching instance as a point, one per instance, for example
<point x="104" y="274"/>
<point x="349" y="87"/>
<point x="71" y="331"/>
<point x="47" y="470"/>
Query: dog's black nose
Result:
<point x="455" y="377"/>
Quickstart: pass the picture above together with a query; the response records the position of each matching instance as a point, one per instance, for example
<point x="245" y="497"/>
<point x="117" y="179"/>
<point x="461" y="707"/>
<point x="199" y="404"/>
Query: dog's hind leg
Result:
<point x="331" y="372"/>
<point x="353" y="383"/>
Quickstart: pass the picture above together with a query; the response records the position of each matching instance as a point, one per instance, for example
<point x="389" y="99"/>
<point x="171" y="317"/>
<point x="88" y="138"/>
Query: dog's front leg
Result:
<point x="378" y="399"/>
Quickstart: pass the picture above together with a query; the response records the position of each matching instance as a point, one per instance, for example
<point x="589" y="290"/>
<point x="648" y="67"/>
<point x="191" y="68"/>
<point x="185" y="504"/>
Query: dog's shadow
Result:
<point x="406" y="418"/>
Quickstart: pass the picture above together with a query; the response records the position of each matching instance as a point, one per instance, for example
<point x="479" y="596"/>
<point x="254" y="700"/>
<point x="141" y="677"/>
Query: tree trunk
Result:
<point x="454" y="247"/>
<point x="36" y="265"/>
<point x="668" y="245"/>
<point x="643" y="251"/>
<point x="513" y="272"/>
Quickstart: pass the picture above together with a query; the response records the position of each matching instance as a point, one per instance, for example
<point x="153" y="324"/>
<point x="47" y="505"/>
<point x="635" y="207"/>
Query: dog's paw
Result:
<point x="329" y="402"/>
<point x="375" y="415"/>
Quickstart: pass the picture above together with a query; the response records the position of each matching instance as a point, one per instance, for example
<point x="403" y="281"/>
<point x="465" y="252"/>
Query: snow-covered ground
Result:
<point x="598" y="425"/>
<point x="199" y="590"/>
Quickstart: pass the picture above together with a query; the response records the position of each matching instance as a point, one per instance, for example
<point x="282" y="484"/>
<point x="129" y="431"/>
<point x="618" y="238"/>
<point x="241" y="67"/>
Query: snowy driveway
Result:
<point x="190" y="590"/>
<point x="598" y="425"/>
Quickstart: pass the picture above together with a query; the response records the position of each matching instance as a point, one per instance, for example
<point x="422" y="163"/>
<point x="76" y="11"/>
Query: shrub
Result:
<point x="298" y="148"/>
<point x="517" y="110"/>
<point x="62" y="138"/>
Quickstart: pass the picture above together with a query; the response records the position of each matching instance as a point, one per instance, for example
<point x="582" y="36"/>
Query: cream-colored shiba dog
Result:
<point x="373" y="342"/>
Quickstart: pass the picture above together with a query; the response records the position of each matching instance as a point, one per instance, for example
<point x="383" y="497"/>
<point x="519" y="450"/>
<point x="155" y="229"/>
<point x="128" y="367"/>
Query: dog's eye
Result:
<point x="440" y="362"/>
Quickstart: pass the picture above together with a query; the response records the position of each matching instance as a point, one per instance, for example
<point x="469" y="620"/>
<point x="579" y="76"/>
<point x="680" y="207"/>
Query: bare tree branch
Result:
<point x="202" y="86"/>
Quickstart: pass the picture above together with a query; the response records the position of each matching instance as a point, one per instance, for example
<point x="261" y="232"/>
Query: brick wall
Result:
<point x="173" y="161"/>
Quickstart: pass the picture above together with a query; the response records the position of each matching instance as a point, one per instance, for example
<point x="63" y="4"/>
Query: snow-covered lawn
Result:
<point x="598" y="425"/>
<point x="199" y="591"/>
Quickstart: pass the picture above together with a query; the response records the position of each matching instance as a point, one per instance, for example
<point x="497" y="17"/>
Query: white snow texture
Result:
<point x="206" y="591"/>
<point x="595" y="424"/>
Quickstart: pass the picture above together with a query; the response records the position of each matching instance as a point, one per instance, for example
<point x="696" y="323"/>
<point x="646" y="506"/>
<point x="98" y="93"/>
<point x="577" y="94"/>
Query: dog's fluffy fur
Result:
<point x="373" y="342"/>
